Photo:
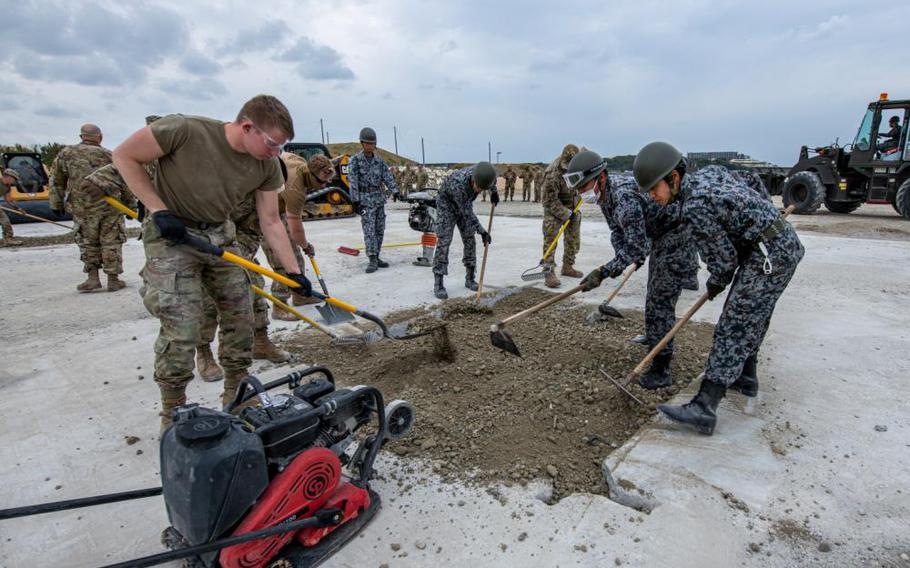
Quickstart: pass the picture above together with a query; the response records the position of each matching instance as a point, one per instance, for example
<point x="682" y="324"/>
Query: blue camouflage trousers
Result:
<point x="747" y="312"/>
<point x="372" y="220"/>
<point x="447" y="218"/>
<point x="673" y="266"/>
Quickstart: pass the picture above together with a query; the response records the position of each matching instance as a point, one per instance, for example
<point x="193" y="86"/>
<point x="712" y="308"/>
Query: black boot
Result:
<point x="747" y="383"/>
<point x="699" y="412"/>
<point x="439" y="290"/>
<point x="639" y="339"/>
<point x="381" y="263"/>
<point x="373" y="265"/>
<point x="658" y="375"/>
<point x="469" y="281"/>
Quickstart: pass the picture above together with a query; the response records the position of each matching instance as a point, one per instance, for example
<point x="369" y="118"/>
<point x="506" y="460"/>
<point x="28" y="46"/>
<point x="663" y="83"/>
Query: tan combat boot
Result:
<point x="206" y="365"/>
<point x="569" y="270"/>
<point x="231" y="382"/>
<point x="279" y="313"/>
<point x="91" y="283"/>
<point x="551" y="280"/>
<point x="171" y="398"/>
<point x="263" y="348"/>
<point x="114" y="283"/>
<point x="301" y="300"/>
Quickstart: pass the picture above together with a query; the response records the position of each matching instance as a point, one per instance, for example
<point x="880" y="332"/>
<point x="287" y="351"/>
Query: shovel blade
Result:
<point x="502" y="340"/>
<point x="332" y="315"/>
<point x="610" y="311"/>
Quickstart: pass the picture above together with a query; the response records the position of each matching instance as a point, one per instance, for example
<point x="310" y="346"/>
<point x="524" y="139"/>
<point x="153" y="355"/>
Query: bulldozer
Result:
<point x="31" y="192"/>
<point x="334" y="201"/>
<point x="874" y="168"/>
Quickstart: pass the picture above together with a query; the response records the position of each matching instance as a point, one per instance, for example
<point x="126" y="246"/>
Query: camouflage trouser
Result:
<point x="372" y="219"/>
<point x="279" y="290"/>
<point x="248" y="245"/>
<point x="177" y="281"/>
<point x="446" y="221"/>
<point x="510" y="192"/>
<point x="5" y="224"/>
<point x="525" y="191"/>
<point x="571" y="238"/>
<point x="672" y="266"/>
<point x="100" y="237"/>
<point x="750" y="303"/>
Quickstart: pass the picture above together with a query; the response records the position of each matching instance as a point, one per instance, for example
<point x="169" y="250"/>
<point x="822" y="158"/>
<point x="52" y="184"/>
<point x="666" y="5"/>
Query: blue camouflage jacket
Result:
<point x="457" y="195"/>
<point x="368" y="174"/>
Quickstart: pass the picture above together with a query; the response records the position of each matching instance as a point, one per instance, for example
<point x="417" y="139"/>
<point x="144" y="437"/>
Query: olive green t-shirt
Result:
<point x="295" y="188"/>
<point x="200" y="177"/>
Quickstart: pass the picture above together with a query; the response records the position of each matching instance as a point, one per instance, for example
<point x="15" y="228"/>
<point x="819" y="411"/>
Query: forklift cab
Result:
<point x="880" y="150"/>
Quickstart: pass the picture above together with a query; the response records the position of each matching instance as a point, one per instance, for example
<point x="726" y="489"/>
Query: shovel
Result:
<point x="502" y="340"/>
<point x="608" y="310"/>
<point x="336" y="339"/>
<point x="329" y="313"/>
<point x="542" y="267"/>
<point x="35" y="217"/>
<point x="486" y="248"/>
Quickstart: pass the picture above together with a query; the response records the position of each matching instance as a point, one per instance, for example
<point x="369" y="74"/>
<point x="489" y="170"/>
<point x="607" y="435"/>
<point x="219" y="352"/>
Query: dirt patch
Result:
<point x="64" y="239"/>
<point x="888" y="228"/>
<point x="490" y="417"/>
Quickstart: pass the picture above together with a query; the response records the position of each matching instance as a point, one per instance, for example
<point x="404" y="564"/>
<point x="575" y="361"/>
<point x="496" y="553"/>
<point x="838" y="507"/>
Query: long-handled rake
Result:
<point x="35" y="217"/>
<point x="543" y="267"/>
<point x="329" y="313"/>
<point x="502" y="340"/>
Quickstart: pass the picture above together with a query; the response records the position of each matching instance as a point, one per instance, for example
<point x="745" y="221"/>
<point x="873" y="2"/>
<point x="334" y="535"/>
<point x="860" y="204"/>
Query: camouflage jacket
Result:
<point x="753" y="181"/>
<point x="457" y="195"/>
<point x="538" y="179"/>
<point x="725" y="217"/>
<point x="423" y="179"/>
<point x="557" y="199"/>
<point x="369" y="174"/>
<point x="510" y="176"/>
<point x="70" y="167"/>
<point x="527" y="177"/>
<point x="106" y="180"/>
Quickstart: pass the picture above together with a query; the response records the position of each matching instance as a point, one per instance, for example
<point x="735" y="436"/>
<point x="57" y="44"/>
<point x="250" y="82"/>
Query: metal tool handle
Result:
<point x="540" y="306"/>
<point x="559" y="234"/>
<point x="486" y="248"/>
<point x="35" y="217"/>
<point x="325" y="289"/>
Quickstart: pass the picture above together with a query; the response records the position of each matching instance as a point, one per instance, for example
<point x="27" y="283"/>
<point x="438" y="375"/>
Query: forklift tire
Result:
<point x="806" y="191"/>
<point x="902" y="199"/>
<point x="842" y="206"/>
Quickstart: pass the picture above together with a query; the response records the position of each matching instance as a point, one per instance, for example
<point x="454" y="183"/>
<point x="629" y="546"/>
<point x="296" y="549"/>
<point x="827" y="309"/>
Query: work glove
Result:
<point x="141" y="210"/>
<point x="309" y="249"/>
<point x="593" y="279"/>
<point x="170" y="227"/>
<point x="572" y="216"/>
<point x="306" y="288"/>
<point x="714" y="288"/>
<point x="494" y="197"/>
<point x="357" y="208"/>
<point x="485" y="237"/>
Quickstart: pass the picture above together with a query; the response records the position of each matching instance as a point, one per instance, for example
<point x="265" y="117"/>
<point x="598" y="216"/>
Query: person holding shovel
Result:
<point x="559" y="203"/>
<point x="455" y="208"/>
<point x="638" y="229"/>
<point x="7" y="179"/>
<point x="746" y="245"/>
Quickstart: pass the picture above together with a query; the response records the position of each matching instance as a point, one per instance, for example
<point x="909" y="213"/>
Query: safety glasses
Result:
<point x="575" y="179"/>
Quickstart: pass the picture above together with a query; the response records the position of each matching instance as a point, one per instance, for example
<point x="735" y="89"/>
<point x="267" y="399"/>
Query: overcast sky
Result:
<point x="762" y="78"/>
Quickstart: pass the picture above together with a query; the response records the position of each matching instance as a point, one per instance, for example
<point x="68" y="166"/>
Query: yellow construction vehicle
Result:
<point x="31" y="191"/>
<point x="335" y="200"/>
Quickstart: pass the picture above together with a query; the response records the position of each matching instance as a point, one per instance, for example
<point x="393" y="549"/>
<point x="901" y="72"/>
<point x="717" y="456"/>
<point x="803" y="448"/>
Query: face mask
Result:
<point x="589" y="196"/>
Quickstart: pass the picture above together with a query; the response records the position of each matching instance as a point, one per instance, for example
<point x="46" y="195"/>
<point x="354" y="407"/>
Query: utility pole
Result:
<point x="395" y="133"/>
<point x="497" y="156"/>
<point x="423" y="152"/>
<point x="322" y="130"/>
<point x="489" y="151"/>
<point x="327" y="138"/>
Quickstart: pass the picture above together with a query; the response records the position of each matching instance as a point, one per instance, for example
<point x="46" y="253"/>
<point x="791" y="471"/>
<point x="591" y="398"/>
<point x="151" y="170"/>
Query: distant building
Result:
<point x="708" y="156"/>
<point x="751" y="163"/>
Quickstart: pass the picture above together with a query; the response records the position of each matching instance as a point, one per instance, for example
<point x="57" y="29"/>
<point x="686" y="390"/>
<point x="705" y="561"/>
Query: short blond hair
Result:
<point x="266" y="111"/>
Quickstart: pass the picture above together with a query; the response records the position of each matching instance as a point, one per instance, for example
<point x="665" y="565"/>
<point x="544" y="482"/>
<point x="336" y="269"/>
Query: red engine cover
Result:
<point x="293" y="494"/>
<point x="350" y="499"/>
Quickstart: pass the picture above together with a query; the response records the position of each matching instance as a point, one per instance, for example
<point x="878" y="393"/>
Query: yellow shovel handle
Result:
<point x="315" y="267"/>
<point x="394" y="246"/>
<point x="561" y="229"/>
<point x="288" y="308"/>
<point x="121" y="207"/>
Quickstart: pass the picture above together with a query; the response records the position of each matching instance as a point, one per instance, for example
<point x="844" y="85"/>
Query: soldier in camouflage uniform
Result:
<point x="538" y="183"/>
<point x="397" y="173"/>
<point x="639" y="228"/>
<point x="746" y="245"/>
<point x="509" y="176"/>
<point x="99" y="230"/>
<point x="527" y="178"/>
<point x="7" y="179"/>
<point x="559" y="201"/>
<point x="367" y="172"/>
<point x="423" y="178"/>
<point x="455" y="208"/>
<point x="753" y="181"/>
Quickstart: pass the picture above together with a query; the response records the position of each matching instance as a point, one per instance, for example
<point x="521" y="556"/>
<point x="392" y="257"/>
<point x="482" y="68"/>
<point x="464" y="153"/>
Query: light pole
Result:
<point x="498" y="154"/>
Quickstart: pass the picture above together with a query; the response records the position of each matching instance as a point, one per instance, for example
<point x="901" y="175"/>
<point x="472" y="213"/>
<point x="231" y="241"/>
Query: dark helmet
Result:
<point x="893" y="119"/>
<point x="584" y="167"/>
<point x="367" y="134"/>
<point x="484" y="176"/>
<point x="653" y="163"/>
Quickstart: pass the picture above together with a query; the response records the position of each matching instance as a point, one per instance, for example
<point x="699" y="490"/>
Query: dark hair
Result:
<point x="680" y="169"/>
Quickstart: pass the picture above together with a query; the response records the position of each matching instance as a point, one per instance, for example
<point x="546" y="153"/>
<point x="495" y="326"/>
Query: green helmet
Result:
<point x="584" y="167"/>
<point x="484" y="176"/>
<point x="367" y="134"/>
<point x="653" y="163"/>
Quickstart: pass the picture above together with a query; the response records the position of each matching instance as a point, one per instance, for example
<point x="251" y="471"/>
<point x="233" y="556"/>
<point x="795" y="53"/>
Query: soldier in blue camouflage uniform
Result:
<point x="455" y="208"/>
<point x="367" y="172"/>
<point x="639" y="228"/>
<point x="746" y="245"/>
<point x="752" y="180"/>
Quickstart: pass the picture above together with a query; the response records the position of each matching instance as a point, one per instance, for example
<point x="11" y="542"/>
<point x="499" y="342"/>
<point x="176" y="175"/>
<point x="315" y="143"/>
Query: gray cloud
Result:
<point x="196" y="63"/>
<point x="266" y="36"/>
<point x="316" y="61"/>
<point x="55" y="111"/>
<point x="202" y="88"/>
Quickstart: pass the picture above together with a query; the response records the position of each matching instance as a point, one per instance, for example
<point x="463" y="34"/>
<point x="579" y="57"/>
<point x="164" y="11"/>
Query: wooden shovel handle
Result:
<point x="622" y="283"/>
<point x="542" y="305"/>
<point x="663" y="342"/>
<point x="486" y="249"/>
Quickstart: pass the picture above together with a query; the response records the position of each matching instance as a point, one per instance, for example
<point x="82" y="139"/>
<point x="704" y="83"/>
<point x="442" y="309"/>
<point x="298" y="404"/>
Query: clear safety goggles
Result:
<point x="575" y="179"/>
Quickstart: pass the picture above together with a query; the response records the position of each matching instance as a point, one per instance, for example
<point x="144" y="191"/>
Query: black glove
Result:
<point x="593" y="279"/>
<point x="714" y="288"/>
<point x="358" y="210"/>
<point x="306" y="288"/>
<point x="615" y="271"/>
<point x="141" y="210"/>
<point x="572" y="216"/>
<point x="494" y="197"/>
<point x="485" y="237"/>
<point x="394" y="195"/>
<point x="170" y="227"/>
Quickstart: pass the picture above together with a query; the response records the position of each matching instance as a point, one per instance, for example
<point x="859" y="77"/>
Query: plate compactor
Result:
<point x="280" y="484"/>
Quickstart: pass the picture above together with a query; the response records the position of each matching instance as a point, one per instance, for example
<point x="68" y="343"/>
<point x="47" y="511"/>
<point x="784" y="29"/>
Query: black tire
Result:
<point x="842" y="206"/>
<point x="806" y="191"/>
<point x="902" y="200"/>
